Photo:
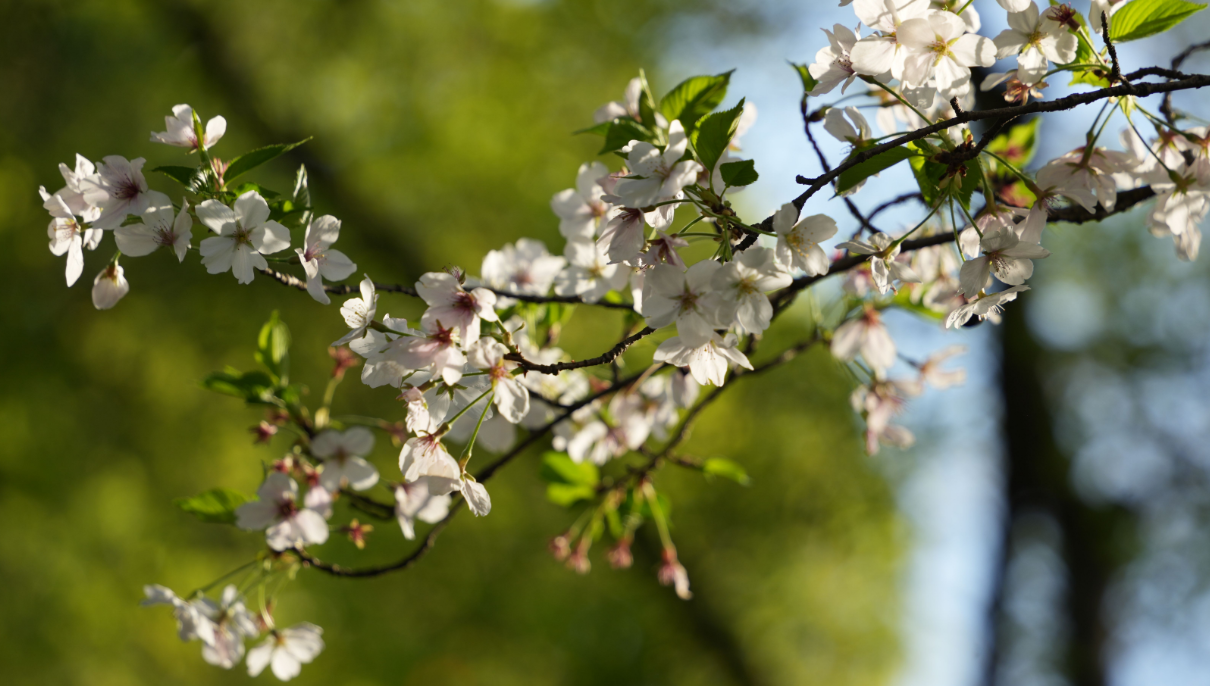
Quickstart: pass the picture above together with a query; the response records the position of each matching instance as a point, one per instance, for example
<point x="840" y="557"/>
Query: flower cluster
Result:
<point x="656" y="237"/>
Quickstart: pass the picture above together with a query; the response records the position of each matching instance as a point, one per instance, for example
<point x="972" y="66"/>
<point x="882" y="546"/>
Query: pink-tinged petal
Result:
<point x="973" y="276"/>
<point x="477" y="499"/>
<point x="1014" y="272"/>
<point x="251" y="210"/>
<point x="846" y="341"/>
<point x="270" y="237"/>
<point x="312" y="526"/>
<point x="75" y="260"/>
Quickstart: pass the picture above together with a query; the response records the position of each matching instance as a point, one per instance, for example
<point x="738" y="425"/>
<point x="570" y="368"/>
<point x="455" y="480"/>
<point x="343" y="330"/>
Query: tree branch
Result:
<point x="604" y="358"/>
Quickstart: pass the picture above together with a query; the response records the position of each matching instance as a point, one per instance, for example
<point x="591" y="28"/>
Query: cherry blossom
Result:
<point x="109" y="287"/>
<point x="73" y="193"/>
<point x="1035" y="39"/>
<point x="319" y="261"/>
<point x="414" y="501"/>
<point x="884" y="267"/>
<point x="589" y="273"/>
<point x="232" y="624"/>
<point x="181" y="132"/>
<point x="866" y="335"/>
<point x="983" y="307"/>
<point x="580" y="209"/>
<point x="687" y="298"/>
<point x="938" y="46"/>
<point x="798" y="242"/>
<point x="343" y="455"/>
<point x="744" y="282"/>
<point x="162" y="226"/>
<point x="425" y="455"/>
<point x="434" y="348"/>
<point x="359" y="312"/>
<point x="509" y="396"/>
<point x="451" y="307"/>
<point x="707" y="362"/>
<point x="855" y="133"/>
<point x="67" y="236"/>
<point x="524" y="268"/>
<point x="657" y="175"/>
<point x="833" y="64"/>
<point x="286" y="524"/>
<point x="118" y="189"/>
<point x="286" y="651"/>
<point x="245" y="235"/>
<point x="883" y="52"/>
<point x="1004" y="255"/>
<point x="192" y="623"/>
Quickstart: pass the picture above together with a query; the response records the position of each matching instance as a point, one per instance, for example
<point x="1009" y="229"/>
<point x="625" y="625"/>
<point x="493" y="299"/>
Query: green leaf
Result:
<point x="189" y="177"/>
<point x="265" y="193"/>
<point x="273" y="347"/>
<point x="694" y="98"/>
<point x="558" y="468"/>
<point x="742" y="173"/>
<point x="301" y="198"/>
<point x="1017" y="145"/>
<point x="928" y="176"/>
<point x="622" y="131"/>
<point x="713" y="134"/>
<point x="1142" y="18"/>
<point x="717" y="466"/>
<point x="569" y="494"/>
<point x="254" y="387"/>
<point x="883" y="160"/>
<point x="216" y="506"/>
<point x="808" y="82"/>
<point x="247" y="162"/>
<point x="596" y="130"/>
<point x="646" y="101"/>
<point x="972" y="180"/>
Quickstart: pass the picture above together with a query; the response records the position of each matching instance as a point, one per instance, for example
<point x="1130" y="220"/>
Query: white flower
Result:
<point x="867" y="335"/>
<point x="938" y="46"/>
<point x="628" y="107"/>
<point x="687" y="298"/>
<point x="476" y="496"/>
<point x="192" y="623"/>
<point x="286" y="525"/>
<point x="881" y="52"/>
<point x="67" y="235"/>
<point x="798" y="243"/>
<point x="1004" y="255"/>
<point x="343" y="455"/>
<point x="73" y="194"/>
<point x="657" y="175"/>
<point x="509" y="397"/>
<point x="118" y="188"/>
<point x="161" y="226"/>
<point x="580" y="209"/>
<point x="855" y="133"/>
<point x="319" y="261"/>
<point x="881" y="401"/>
<point x="589" y="273"/>
<point x="359" y="312"/>
<point x="941" y="379"/>
<point x="744" y="282"/>
<point x="415" y="501"/>
<point x="232" y="624"/>
<point x="1181" y="202"/>
<point x="1035" y="39"/>
<point x="287" y="651"/>
<point x="1081" y="178"/>
<point x="1016" y="5"/>
<point x="625" y="231"/>
<point x="984" y="307"/>
<point x="525" y="268"/>
<point x="109" y="287"/>
<point x="707" y="362"/>
<point x="662" y="250"/>
<point x="452" y="307"/>
<point x="434" y="348"/>
<point x="426" y="456"/>
<point x="884" y="268"/>
<point x="246" y="234"/>
<point x="180" y="129"/>
<point x="833" y="63"/>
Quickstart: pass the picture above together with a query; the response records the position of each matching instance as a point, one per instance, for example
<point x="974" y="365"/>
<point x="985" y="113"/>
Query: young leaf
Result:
<point x="596" y="129"/>
<point x="273" y="347"/>
<point x="1017" y="146"/>
<point x="216" y="506"/>
<point x="253" y="387"/>
<point x="717" y="466"/>
<point x="742" y="173"/>
<point x="622" y="131"/>
<point x="884" y="160"/>
<point x="1142" y="18"/>
<point x="646" y="101"/>
<point x="694" y="98"/>
<point x="186" y="176"/>
<point x="301" y="198"/>
<point x="569" y="494"/>
<point x="808" y="82"/>
<point x="713" y="134"/>
<point x="249" y="161"/>
<point x="558" y="468"/>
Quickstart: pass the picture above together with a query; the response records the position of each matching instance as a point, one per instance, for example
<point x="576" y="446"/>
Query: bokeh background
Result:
<point x="1057" y="538"/>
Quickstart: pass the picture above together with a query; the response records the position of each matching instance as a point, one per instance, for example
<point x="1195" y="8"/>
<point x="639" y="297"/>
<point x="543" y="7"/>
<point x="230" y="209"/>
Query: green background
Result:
<point x="441" y="131"/>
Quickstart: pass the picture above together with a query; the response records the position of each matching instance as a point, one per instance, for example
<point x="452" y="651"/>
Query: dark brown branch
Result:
<point x="605" y="358"/>
<point x="1166" y="105"/>
<point x="1067" y="103"/>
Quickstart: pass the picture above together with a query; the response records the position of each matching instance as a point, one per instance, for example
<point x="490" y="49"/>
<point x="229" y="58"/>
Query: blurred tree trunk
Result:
<point x="1038" y="479"/>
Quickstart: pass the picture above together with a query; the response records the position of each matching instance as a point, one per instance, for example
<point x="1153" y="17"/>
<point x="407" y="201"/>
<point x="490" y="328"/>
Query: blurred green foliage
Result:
<point x="441" y="131"/>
